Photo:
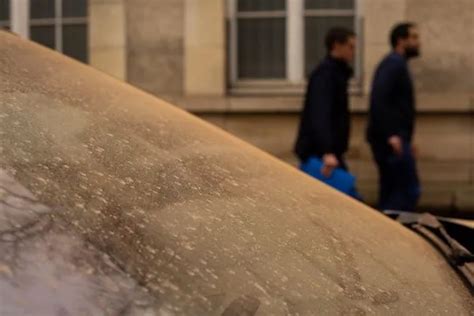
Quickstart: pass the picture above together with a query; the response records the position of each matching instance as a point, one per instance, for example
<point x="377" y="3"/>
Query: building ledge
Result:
<point x="427" y="103"/>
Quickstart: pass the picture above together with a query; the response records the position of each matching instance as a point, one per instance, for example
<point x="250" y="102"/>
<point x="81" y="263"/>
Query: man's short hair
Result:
<point x="400" y="31"/>
<point x="337" y="35"/>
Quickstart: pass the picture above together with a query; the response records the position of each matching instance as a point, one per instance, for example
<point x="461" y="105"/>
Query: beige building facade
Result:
<point x="205" y="56"/>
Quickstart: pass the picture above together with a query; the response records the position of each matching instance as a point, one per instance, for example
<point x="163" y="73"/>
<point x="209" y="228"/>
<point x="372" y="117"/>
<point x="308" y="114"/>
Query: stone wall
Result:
<point x="155" y="54"/>
<point x="107" y="42"/>
<point x="204" y="43"/>
<point x="447" y="30"/>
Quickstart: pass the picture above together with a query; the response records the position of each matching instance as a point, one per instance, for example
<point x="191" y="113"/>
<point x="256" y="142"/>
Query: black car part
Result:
<point x="454" y="238"/>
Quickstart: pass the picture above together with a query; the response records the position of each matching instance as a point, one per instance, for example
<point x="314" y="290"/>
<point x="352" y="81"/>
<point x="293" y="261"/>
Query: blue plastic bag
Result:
<point x="340" y="179"/>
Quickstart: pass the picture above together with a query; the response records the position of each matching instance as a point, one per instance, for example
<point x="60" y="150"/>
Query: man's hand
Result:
<point x="397" y="145"/>
<point x="330" y="163"/>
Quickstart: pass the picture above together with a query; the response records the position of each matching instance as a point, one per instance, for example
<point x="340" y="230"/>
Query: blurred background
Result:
<point x="242" y="65"/>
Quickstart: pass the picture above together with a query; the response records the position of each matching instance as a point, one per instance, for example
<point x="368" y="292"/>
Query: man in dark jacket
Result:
<point x="392" y="122"/>
<point x="325" y="122"/>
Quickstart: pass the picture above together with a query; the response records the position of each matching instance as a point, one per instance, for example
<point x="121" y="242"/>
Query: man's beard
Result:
<point x="411" y="52"/>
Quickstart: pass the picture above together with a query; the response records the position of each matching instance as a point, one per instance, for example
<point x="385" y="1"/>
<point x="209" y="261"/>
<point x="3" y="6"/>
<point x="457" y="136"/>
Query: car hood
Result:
<point x="113" y="200"/>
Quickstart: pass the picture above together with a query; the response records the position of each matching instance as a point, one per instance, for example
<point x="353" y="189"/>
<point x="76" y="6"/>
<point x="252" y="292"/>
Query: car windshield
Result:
<point x="111" y="198"/>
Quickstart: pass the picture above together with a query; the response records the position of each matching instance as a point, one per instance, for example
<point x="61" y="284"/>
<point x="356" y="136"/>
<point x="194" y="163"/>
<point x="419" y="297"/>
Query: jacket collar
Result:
<point x="396" y="55"/>
<point x="342" y="65"/>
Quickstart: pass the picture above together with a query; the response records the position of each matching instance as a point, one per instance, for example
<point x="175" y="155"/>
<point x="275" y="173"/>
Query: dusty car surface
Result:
<point x="115" y="202"/>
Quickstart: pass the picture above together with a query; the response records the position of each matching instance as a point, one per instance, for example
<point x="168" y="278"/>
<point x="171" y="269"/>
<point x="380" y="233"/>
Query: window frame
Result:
<point x="295" y="80"/>
<point x="58" y="22"/>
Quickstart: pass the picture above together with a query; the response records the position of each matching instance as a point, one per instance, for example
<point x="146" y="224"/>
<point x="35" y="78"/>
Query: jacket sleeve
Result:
<point x="386" y="110"/>
<point x="321" y="97"/>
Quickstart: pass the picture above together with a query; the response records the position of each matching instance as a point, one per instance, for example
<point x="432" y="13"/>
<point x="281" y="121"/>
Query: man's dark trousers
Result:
<point x="398" y="179"/>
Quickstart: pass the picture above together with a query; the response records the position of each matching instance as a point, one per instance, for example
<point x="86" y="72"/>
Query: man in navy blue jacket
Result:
<point x="325" y="122"/>
<point x="392" y="121"/>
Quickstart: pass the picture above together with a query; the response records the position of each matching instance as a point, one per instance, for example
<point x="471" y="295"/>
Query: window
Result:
<point x="281" y="41"/>
<point x="260" y="30"/>
<point x="57" y="24"/>
<point x="4" y="14"/>
<point x="60" y="25"/>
